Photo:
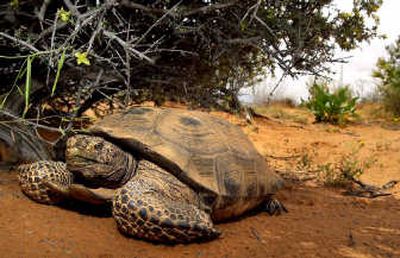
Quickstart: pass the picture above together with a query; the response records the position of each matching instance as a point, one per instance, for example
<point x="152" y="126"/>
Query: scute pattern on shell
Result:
<point x="207" y="153"/>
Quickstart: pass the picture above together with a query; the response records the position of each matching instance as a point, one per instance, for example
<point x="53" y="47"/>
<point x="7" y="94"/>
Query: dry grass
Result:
<point x="367" y="112"/>
<point x="373" y="111"/>
<point x="285" y="111"/>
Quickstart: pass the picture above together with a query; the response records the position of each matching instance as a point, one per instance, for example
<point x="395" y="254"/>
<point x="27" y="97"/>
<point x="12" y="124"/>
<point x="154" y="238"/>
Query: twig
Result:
<point x="26" y="44"/>
<point x="298" y="176"/>
<point x="81" y="22"/>
<point x="370" y="191"/>
<point x="128" y="68"/>
<point x="170" y="11"/>
<point x="96" y="32"/>
<point x="49" y="30"/>
<point x="126" y="45"/>
<point x="255" y="233"/>
<point x="43" y="9"/>
<point x="183" y="52"/>
<point x="277" y="85"/>
<point x="19" y="119"/>
<point x="390" y="184"/>
<point x="131" y="5"/>
<point x="72" y="8"/>
<point x="283" y="157"/>
<point x="209" y="8"/>
<point x="255" y="7"/>
<point x="53" y="35"/>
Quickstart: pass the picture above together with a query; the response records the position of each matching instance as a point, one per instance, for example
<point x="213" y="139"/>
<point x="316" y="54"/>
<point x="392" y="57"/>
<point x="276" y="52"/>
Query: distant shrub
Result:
<point x="261" y="96"/>
<point x="388" y="72"/>
<point x="331" y="107"/>
<point x="286" y="102"/>
<point x="391" y="97"/>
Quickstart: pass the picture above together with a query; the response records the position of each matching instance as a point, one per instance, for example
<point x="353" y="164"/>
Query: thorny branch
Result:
<point x="199" y="52"/>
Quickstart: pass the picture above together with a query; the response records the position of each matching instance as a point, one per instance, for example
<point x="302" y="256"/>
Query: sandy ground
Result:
<point x="321" y="222"/>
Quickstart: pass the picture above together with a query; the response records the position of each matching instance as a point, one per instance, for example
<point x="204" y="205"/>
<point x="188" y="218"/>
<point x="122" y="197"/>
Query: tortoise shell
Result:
<point x="209" y="154"/>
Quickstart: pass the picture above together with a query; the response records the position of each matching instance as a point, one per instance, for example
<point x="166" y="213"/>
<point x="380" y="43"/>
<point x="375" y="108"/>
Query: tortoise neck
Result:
<point x="122" y="170"/>
<point x="130" y="163"/>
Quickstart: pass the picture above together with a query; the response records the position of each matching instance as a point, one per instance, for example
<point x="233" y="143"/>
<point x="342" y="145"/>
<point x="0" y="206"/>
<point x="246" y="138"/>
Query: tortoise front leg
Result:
<point x="143" y="209"/>
<point x="45" y="181"/>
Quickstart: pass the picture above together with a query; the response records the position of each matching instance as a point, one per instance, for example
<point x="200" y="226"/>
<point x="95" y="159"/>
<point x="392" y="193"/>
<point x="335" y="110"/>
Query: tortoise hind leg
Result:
<point x="147" y="210"/>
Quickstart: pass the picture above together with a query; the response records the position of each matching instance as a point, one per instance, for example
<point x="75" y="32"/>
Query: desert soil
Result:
<point x="322" y="222"/>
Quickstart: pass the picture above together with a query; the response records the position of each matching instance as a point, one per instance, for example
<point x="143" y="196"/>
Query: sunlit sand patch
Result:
<point x="309" y="245"/>
<point x="352" y="253"/>
<point x="381" y="230"/>
<point x="388" y="249"/>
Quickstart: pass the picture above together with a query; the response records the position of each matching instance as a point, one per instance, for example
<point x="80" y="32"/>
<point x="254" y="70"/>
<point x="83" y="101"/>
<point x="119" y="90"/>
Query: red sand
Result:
<point x="321" y="222"/>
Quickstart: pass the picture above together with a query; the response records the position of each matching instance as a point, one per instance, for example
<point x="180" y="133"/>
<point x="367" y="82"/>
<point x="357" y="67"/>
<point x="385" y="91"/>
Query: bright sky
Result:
<point x="357" y="72"/>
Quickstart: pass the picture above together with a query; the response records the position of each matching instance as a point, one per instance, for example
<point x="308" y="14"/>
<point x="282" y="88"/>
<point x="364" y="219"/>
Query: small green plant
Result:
<point x="305" y="162"/>
<point x="14" y="4"/>
<point x="26" y="70"/>
<point x="331" y="107"/>
<point x="328" y="174"/>
<point x="347" y="169"/>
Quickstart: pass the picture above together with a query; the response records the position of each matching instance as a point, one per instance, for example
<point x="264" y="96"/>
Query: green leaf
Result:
<point x="28" y="83"/>
<point x="59" y="67"/>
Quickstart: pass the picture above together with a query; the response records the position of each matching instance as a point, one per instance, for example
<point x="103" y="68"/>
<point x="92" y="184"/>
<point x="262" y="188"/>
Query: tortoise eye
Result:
<point x="98" y="146"/>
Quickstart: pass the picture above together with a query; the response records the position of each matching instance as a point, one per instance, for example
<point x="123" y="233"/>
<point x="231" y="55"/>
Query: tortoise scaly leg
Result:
<point x="44" y="181"/>
<point x="274" y="207"/>
<point x="156" y="206"/>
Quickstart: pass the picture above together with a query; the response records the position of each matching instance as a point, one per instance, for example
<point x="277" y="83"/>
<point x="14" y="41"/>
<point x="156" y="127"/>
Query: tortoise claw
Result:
<point x="275" y="207"/>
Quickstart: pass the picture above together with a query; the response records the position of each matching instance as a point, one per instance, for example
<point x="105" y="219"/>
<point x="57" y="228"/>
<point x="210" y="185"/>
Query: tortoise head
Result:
<point x="98" y="162"/>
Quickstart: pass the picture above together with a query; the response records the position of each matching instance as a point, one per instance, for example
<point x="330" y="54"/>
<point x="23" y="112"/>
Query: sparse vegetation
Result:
<point x="349" y="167"/>
<point x="305" y="162"/>
<point x="388" y="72"/>
<point x="331" y="107"/>
<point x="283" y="109"/>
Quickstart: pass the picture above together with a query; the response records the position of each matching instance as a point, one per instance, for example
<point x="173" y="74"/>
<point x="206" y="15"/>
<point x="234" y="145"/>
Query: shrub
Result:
<point x="388" y="72"/>
<point x="199" y="52"/>
<point x="331" y="107"/>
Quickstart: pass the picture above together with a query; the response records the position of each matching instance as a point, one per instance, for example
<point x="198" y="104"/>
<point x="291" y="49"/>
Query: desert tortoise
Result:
<point x="174" y="172"/>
